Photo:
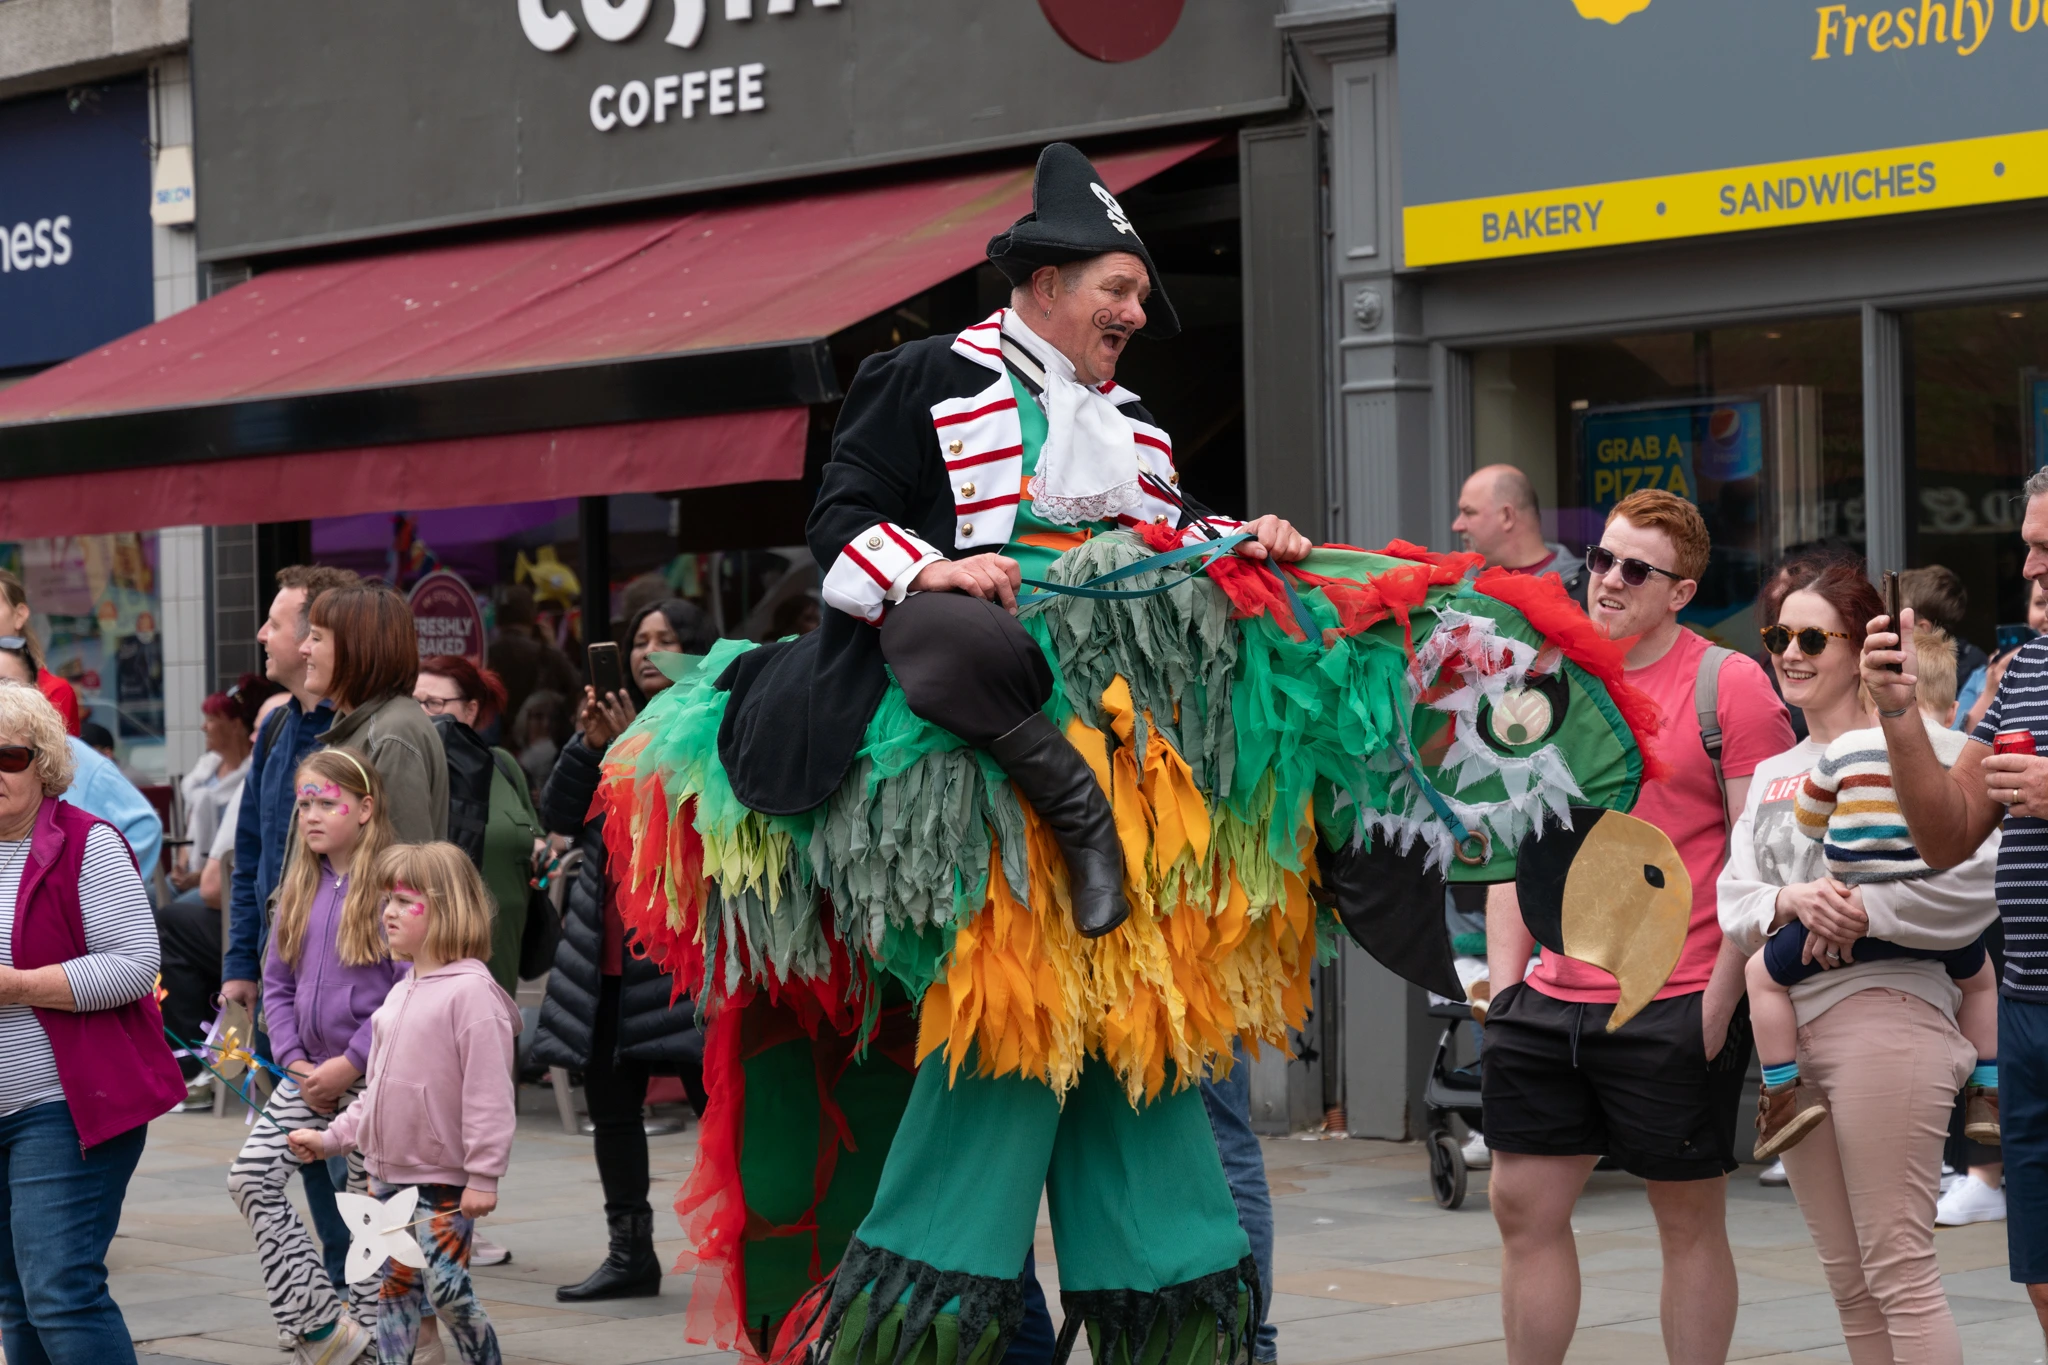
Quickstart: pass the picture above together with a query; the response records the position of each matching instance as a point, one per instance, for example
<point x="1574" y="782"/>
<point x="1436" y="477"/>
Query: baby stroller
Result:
<point x="1449" y="1089"/>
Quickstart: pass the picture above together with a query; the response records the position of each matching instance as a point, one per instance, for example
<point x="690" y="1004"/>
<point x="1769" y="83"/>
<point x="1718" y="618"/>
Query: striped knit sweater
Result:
<point x="1847" y="802"/>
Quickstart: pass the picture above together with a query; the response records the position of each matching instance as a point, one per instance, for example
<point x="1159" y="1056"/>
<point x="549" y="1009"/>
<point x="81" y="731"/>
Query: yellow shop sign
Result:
<point x="1939" y="175"/>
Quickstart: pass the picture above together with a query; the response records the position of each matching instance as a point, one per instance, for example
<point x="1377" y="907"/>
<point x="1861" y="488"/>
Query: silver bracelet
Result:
<point x="1894" y="715"/>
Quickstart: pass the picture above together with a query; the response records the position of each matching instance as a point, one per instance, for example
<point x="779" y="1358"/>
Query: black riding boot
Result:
<point x="1060" y="787"/>
<point x="630" y="1271"/>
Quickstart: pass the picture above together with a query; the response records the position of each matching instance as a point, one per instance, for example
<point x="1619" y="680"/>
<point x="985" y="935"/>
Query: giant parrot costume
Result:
<point x="914" y="1025"/>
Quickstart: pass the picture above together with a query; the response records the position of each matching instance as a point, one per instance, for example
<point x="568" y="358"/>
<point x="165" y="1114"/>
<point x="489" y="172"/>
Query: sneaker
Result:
<point x="198" y="1097"/>
<point x="427" y="1349"/>
<point x="1476" y="1156"/>
<point x="1774" y="1175"/>
<point x="1980" y="1115"/>
<point x="482" y="1251"/>
<point x="1949" y="1176"/>
<point x="1784" y="1116"/>
<point x="345" y="1343"/>
<point x="1971" y="1201"/>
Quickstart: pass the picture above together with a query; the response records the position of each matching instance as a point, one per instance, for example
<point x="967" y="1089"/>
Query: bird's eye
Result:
<point x="1524" y="716"/>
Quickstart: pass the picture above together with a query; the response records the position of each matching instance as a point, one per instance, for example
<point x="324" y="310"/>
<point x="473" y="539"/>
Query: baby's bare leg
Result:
<point x="1771" y="1016"/>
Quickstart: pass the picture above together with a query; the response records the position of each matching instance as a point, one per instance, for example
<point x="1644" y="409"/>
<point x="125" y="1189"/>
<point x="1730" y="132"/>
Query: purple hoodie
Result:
<point x="321" y="1009"/>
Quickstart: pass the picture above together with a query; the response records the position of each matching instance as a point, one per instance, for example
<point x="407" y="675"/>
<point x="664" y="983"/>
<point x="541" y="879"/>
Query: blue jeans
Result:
<point x="2023" y="1118"/>
<point x="321" y="1181"/>
<point x="58" y="1211"/>
<point x="1230" y="1114"/>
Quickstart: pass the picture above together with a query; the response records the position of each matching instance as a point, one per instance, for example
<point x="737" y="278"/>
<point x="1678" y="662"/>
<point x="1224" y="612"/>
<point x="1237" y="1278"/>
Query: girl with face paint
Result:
<point x="326" y="971"/>
<point x="438" y="1114"/>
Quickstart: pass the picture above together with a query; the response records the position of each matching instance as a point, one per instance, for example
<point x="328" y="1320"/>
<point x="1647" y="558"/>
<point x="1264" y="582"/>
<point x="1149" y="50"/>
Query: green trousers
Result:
<point x="1150" y="1253"/>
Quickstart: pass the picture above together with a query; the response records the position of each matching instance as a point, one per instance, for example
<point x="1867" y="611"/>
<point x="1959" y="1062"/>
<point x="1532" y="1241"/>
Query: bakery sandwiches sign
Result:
<point x="1557" y="125"/>
<point x="327" y="123"/>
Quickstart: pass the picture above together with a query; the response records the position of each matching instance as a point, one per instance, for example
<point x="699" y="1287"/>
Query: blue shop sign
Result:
<point x="74" y="221"/>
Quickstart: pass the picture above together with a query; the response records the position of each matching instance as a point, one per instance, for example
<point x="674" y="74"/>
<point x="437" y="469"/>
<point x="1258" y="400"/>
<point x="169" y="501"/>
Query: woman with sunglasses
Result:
<point x="87" y="1066"/>
<point x="1878" y="1039"/>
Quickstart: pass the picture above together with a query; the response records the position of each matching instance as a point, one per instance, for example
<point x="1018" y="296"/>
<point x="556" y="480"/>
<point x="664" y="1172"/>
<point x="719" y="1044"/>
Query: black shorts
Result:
<point x="1554" y="1082"/>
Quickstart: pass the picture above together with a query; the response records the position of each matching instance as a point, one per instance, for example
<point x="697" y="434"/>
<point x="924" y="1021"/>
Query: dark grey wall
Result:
<point x="322" y="122"/>
<point x="1504" y="97"/>
<point x="1283" y="325"/>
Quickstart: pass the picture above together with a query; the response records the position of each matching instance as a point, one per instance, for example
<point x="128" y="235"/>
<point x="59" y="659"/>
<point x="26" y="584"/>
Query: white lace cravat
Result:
<point x="1088" y="467"/>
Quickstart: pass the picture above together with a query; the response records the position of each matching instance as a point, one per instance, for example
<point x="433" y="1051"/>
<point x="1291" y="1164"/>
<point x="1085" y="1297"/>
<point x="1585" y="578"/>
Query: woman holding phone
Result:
<point x="608" y="1014"/>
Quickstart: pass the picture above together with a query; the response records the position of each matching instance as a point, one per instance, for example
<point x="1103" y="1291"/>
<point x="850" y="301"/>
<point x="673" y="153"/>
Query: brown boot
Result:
<point x="1980" y="1115"/>
<point x="1787" y="1113"/>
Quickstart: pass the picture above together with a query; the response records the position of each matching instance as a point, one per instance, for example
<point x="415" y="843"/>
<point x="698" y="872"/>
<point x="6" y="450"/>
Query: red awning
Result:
<point x="546" y="310"/>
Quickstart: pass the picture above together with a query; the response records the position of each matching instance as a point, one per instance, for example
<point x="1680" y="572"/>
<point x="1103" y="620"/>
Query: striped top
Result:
<point x="120" y="962"/>
<point x="2022" y="704"/>
<point x="1848" y="803"/>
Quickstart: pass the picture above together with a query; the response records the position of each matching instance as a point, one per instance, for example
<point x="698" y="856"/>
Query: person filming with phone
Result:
<point x="2000" y="781"/>
<point x="608" y="1014"/>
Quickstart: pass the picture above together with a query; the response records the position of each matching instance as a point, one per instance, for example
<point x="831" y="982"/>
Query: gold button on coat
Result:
<point x="954" y="449"/>
<point x="1174" y="478"/>
<point x="874" y="542"/>
<point x="966" y="490"/>
<point x="1159" y="520"/>
<point x="967" y="528"/>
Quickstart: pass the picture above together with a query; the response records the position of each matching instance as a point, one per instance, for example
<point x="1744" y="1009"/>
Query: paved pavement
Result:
<point x="1368" y="1268"/>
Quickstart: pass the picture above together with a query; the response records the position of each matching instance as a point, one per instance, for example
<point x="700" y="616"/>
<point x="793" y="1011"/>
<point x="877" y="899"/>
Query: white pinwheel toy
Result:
<point x="381" y="1229"/>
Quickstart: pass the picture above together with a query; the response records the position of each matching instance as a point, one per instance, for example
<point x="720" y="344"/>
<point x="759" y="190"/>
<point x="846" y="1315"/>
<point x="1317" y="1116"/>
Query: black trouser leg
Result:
<point x="188" y="930"/>
<point x="616" y="1091"/>
<point x="967" y="665"/>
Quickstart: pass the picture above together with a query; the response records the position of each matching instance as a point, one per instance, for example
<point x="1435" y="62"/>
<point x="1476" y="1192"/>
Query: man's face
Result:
<point x="1623" y="611"/>
<point x="2034" y="531"/>
<point x="283" y="663"/>
<point x="1091" y="323"/>
<point x="1482" y="521"/>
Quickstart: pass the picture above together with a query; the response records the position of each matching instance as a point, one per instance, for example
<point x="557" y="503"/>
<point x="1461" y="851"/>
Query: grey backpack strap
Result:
<point x="1706" y="704"/>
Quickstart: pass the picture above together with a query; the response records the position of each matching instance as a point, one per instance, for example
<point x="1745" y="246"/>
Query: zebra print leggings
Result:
<point x="301" y="1297"/>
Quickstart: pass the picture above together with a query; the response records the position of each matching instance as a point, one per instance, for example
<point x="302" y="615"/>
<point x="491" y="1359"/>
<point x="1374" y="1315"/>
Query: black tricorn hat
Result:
<point x="1074" y="217"/>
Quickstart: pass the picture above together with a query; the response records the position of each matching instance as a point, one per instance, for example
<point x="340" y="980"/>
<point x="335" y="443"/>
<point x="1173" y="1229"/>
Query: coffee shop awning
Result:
<point x="638" y="356"/>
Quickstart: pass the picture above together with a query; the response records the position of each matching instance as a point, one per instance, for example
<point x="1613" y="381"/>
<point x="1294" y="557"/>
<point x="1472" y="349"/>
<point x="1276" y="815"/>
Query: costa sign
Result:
<point x="679" y="96"/>
<point x="1105" y="30"/>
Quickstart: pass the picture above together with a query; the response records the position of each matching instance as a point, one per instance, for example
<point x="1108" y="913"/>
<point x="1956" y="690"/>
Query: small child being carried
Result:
<point x="1848" y="804"/>
<point x="438" y="1112"/>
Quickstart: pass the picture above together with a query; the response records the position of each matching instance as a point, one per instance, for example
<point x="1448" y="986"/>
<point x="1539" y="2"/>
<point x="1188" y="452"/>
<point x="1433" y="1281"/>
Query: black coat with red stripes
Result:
<point x="799" y="708"/>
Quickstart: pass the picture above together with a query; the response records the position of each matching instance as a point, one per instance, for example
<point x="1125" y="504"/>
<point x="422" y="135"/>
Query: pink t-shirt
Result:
<point x="1686" y="803"/>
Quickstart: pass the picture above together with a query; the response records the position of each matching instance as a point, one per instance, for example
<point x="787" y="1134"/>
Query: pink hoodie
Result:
<point x="439" y="1106"/>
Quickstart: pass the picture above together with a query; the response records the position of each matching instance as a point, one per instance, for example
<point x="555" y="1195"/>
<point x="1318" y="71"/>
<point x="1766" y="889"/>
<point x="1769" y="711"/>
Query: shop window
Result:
<point x="1761" y="427"/>
<point x="1977" y="385"/>
<point x="98" y="612"/>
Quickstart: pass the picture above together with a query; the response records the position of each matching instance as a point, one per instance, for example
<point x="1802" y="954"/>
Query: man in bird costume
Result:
<point x="977" y="881"/>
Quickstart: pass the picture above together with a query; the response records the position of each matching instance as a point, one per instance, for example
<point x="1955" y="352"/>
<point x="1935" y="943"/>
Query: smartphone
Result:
<point x="607" y="674"/>
<point x="1891" y="607"/>
<point x="2011" y="637"/>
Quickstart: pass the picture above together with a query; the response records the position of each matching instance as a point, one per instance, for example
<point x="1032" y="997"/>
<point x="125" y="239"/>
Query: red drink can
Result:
<point x="2013" y="742"/>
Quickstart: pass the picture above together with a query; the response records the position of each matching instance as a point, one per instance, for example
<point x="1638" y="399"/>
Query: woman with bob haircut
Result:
<point x="362" y="653"/>
<point x="87" y="1064"/>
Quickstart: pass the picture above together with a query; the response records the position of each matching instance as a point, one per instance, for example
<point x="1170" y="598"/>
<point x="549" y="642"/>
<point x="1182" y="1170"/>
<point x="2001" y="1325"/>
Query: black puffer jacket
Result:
<point x="650" y="1029"/>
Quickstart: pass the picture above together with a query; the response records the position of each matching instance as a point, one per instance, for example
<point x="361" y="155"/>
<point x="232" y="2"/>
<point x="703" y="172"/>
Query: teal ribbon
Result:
<point x="1037" y="590"/>
<point x="1457" y="827"/>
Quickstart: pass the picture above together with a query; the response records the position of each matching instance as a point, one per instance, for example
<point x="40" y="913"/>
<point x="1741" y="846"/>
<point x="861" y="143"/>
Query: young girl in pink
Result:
<point x="438" y="1112"/>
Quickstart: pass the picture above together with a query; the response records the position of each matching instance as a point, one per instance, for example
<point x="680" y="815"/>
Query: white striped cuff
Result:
<point x="875" y="569"/>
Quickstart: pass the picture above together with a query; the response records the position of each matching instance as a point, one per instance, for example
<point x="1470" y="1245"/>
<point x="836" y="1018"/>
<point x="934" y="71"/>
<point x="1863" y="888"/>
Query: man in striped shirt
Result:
<point x="1949" y="815"/>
